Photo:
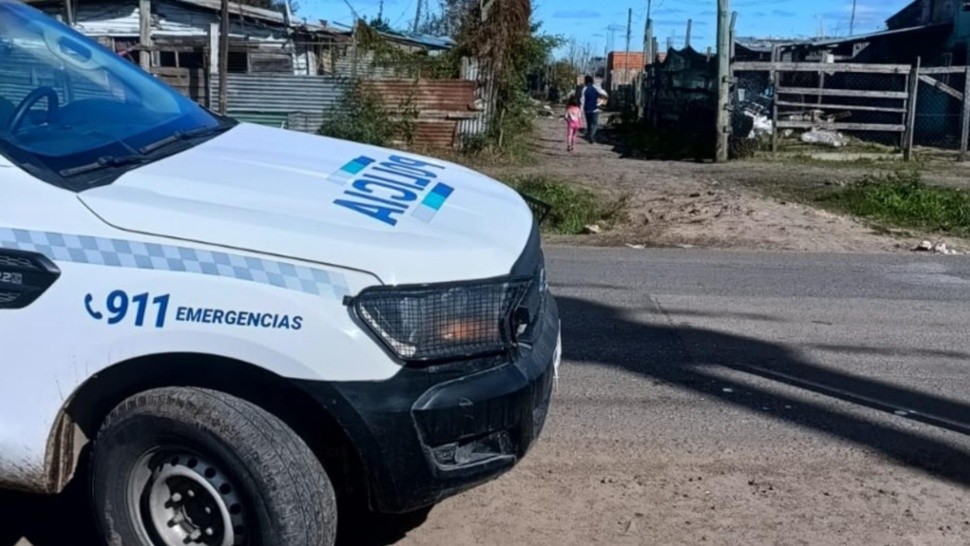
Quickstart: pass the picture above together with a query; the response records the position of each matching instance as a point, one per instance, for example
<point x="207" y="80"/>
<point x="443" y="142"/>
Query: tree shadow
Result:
<point x="687" y="358"/>
<point x="635" y="140"/>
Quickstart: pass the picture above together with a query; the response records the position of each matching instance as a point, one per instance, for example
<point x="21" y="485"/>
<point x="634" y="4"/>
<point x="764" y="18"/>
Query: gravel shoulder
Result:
<point x="740" y="205"/>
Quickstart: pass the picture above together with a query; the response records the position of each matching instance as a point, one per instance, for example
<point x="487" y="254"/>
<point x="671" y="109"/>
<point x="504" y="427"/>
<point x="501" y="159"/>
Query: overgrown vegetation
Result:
<point x="573" y="208"/>
<point x="507" y="44"/>
<point x="901" y="199"/>
<point x="502" y="35"/>
<point x="361" y="116"/>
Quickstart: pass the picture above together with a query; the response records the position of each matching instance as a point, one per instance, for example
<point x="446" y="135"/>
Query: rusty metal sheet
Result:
<point x="435" y="95"/>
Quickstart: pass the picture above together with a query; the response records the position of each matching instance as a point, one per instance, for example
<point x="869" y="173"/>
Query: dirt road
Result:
<point x="704" y="205"/>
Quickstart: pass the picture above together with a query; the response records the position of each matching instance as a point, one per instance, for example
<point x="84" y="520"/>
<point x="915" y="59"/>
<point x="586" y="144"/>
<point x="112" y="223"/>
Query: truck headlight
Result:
<point x="443" y="322"/>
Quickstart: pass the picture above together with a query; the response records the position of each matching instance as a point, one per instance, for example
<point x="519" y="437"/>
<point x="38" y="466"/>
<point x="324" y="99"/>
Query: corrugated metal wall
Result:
<point x="471" y="70"/>
<point x="448" y="110"/>
<point x="271" y="98"/>
<point x="441" y="105"/>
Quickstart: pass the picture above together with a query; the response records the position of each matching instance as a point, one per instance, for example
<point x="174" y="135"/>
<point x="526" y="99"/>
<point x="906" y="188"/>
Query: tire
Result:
<point x="184" y="466"/>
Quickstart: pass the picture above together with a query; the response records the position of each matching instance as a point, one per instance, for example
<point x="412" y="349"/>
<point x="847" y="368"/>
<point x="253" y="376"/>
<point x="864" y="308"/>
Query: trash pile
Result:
<point x="936" y="248"/>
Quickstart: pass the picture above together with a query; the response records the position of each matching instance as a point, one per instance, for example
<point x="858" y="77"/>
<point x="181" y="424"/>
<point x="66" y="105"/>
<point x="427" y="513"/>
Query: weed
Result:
<point x="572" y="208"/>
<point x="362" y="116"/>
<point x="901" y="199"/>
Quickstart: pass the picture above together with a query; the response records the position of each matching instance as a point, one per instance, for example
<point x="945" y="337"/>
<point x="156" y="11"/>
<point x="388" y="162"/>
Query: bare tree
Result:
<point x="449" y="19"/>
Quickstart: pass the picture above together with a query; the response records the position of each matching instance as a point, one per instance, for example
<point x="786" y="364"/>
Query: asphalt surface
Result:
<point x="720" y="397"/>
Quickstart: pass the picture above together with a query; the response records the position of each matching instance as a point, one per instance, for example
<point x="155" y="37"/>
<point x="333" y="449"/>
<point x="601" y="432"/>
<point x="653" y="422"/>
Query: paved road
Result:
<point x="724" y="398"/>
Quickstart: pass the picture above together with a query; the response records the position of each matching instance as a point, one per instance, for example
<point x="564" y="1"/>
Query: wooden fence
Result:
<point x="877" y="98"/>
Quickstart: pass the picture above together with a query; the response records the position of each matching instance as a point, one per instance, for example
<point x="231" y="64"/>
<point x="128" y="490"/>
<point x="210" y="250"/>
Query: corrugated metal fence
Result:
<point x="448" y="110"/>
<point x="282" y="100"/>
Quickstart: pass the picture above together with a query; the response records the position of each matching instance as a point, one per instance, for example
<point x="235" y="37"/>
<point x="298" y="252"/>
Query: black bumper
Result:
<point x="427" y="434"/>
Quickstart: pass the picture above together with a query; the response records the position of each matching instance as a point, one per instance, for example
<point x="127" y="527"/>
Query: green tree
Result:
<point x="380" y="24"/>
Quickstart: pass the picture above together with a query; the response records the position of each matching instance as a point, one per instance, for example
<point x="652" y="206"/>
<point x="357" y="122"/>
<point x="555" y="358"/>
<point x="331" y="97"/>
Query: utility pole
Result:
<point x="144" y="34"/>
<point x="629" y="30"/>
<point x="723" y="78"/>
<point x="223" y="56"/>
<point x="417" y="16"/>
<point x="852" y="20"/>
<point x="690" y="26"/>
<point x="648" y="54"/>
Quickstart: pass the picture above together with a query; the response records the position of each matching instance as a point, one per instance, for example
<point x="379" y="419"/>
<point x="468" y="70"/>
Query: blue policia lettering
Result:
<point x="387" y="190"/>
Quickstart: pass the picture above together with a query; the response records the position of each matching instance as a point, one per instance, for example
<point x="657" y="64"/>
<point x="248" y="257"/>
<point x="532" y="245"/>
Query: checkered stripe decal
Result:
<point x="136" y="255"/>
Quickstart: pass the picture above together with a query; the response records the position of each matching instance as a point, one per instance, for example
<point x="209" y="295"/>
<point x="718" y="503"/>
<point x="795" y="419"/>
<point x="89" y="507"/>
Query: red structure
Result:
<point x="621" y="60"/>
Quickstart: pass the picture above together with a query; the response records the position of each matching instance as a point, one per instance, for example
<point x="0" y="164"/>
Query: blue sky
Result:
<point x="602" y="23"/>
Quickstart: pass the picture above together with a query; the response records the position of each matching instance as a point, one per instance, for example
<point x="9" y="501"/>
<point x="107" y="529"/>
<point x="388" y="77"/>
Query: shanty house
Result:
<point x="181" y="32"/>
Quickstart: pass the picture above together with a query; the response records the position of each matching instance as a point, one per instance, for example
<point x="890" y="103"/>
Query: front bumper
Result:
<point x="430" y="433"/>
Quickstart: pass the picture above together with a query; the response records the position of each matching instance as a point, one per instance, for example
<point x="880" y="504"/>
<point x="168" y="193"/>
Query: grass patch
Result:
<point x="573" y="208"/>
<point x="901" y="199"/>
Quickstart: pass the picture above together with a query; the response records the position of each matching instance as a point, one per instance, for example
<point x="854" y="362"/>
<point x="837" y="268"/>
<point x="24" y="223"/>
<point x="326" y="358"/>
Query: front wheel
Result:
<point x="184" y="466"/>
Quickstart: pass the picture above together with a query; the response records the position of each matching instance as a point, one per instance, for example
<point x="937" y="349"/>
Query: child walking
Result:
<point x="574" y="117"/>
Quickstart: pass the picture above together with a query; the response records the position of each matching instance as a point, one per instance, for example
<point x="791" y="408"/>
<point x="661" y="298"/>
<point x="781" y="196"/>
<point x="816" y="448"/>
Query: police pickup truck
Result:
<point x="226" y="328"/>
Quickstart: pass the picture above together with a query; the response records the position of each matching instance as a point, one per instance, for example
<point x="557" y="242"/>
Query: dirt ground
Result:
<point x="739" y="205"/>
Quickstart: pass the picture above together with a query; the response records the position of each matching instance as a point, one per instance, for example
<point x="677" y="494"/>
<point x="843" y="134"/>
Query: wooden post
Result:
<point x="145" y="34"/>
<point x="223" y="57"/>
<point x="775" y="80"/>
<point x="911" y="111"/>
<point x="965" y="135"/>
<point x="723" y="79"/>
<point x="212" y="65"/>
<point x="821" y="85"/>
<point x="69" y="12"/>
<point x="690" y="25"/>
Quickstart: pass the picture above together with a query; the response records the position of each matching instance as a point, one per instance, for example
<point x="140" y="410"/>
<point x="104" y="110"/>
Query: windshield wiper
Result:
<point x="104" y="162"/>
<point x="180" y="136"/>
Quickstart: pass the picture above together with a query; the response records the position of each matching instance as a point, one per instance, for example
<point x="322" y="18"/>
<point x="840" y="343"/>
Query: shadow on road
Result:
<point x="684" y="357"/>
<point x="681" y="356"/>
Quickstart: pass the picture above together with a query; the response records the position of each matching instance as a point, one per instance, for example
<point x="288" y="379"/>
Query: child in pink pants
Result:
<point x="574" y="117"/>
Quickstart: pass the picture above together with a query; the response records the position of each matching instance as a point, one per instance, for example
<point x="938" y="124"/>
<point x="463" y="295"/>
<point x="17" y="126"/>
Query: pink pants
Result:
<point x="571" y="132"/>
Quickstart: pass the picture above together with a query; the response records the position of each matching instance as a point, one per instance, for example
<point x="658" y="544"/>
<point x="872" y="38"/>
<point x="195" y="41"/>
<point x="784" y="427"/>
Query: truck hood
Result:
<point x="405" y="218"/>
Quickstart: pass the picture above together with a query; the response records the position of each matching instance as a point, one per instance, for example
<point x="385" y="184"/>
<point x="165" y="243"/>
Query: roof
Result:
<point x="866" y="37"/>
<point x="762" y="45"/>
<point x="423" y="40"/>
<point x="767" y="44"/>
<point x="907" y="16"/>
<point x="236" y="9"/>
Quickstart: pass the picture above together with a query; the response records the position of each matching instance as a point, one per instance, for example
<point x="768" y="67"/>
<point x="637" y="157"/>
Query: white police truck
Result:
<point x="226" y="329"/>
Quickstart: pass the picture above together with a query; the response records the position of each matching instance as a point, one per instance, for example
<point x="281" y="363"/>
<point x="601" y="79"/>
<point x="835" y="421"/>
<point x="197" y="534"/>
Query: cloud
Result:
<point x="577" y="14"/>
<point x="679" y="23"/>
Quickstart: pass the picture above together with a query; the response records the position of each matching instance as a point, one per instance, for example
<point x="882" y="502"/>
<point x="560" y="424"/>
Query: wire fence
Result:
<point x="851" y="108"/>
<point x="939" y="110"/>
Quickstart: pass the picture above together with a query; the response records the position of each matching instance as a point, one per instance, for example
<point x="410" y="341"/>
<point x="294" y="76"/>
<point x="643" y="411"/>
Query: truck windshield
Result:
<point x="78" y="115"/>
